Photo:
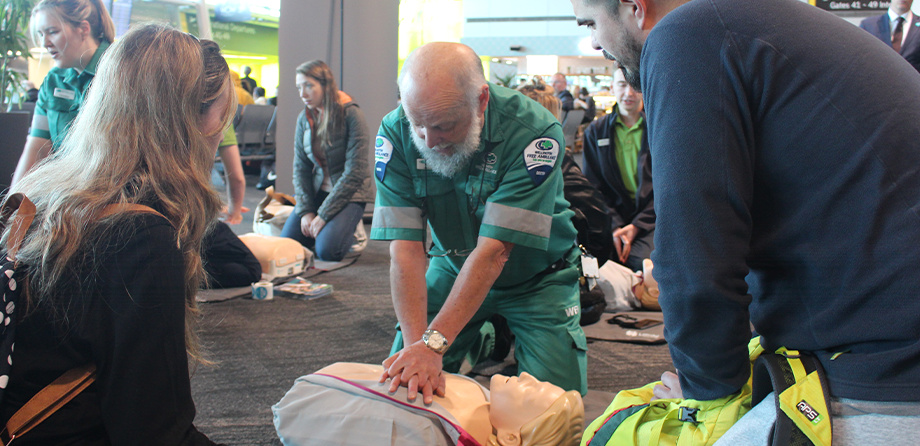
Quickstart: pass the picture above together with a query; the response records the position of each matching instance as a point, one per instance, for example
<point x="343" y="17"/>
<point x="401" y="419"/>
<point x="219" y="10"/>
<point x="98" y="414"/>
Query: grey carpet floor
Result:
<point x="261" y="347"/>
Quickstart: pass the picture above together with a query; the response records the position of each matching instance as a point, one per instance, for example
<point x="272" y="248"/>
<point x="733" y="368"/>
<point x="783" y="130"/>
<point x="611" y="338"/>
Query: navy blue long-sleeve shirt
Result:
<point x="786" y="144"/>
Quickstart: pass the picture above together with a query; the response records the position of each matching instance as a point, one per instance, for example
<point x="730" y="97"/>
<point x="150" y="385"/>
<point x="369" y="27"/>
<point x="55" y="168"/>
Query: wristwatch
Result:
<point x="435" y="341"/>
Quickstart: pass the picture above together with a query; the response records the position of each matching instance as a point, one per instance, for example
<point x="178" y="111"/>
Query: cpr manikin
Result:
<point x="626" y="290"/>
<point x="343" y="404"/>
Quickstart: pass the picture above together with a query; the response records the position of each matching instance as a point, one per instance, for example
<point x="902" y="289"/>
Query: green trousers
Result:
<point x="543" y="313"/>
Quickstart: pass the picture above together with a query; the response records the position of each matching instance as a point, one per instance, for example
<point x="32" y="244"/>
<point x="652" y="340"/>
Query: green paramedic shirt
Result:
<point x="60" y="98"/>
<point x="511" y="190"/>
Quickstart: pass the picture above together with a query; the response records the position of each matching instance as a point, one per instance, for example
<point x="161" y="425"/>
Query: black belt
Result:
<point x="558" y="265"/>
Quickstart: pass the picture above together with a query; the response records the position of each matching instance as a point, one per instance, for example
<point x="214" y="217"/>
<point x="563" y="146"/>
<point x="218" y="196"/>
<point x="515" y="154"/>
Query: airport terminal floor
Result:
<point x="261" y="347"/>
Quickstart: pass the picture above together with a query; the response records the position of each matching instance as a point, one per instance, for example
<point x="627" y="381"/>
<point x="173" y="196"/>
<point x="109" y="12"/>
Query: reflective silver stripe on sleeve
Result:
<point x="517" y="219"/>
<point x="40" y="122"/>
<point x="391" y="217"/>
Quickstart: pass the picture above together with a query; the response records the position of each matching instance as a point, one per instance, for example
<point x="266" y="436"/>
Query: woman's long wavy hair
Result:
<point x="537" y="90"/>
<point x="333" y="113"/>
<point x="73" y="12"/>
<point x="137" y="139"/>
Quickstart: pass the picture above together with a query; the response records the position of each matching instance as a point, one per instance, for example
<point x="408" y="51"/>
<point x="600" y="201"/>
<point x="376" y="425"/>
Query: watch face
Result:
<point x="435" y="341"/>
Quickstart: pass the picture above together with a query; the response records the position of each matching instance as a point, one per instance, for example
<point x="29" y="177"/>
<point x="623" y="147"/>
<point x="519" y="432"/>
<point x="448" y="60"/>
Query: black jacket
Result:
<point x="125" y="309"/>
<point x="602" y="170"/>
<point x="592" y="218"/>
<point x="568" y="101"/>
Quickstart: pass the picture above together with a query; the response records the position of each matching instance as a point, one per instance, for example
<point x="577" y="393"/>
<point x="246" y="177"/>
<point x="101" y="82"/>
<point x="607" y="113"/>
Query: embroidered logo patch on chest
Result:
<point x="383" y="151"/>
<point x="539" y="157"/>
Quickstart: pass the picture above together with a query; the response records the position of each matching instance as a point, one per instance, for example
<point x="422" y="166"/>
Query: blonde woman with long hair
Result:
<point x="331" y="180"/>
<point x="118" y="290"/>
<point x="75" y="33"/>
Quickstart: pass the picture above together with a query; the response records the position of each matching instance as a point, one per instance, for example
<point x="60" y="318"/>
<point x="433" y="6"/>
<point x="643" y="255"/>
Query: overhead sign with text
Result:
<point x="853" y="5"/>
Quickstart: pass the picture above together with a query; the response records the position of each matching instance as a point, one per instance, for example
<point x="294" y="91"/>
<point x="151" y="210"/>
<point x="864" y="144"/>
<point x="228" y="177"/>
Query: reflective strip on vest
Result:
<point x="518" y="219"/>
<point x="40" y="122"/>
<point x="391" y="217"/>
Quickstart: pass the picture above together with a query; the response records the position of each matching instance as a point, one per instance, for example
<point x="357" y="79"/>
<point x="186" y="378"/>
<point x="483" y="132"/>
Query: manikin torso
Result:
<point x="514" y="400"/>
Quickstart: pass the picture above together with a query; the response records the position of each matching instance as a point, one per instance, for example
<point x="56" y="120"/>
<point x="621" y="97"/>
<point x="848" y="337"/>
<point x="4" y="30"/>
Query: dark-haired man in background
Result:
<point x="618" y="163"/>
<point x="787" y="194"/>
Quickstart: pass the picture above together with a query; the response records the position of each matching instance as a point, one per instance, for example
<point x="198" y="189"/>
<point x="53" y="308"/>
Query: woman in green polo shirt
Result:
<point x="75" y="33"/>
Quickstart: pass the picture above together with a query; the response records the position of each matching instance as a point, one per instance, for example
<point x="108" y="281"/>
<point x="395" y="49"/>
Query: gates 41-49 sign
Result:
<point x="853" y="5"/>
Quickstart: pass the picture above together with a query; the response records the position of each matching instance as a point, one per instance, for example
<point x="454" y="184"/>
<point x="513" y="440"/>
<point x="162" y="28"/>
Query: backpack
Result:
<point x="802" y="409"/>
<point x="633" y="419"/>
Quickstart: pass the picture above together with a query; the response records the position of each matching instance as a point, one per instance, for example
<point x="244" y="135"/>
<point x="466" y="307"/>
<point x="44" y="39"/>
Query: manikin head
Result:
<point x="620" y="27"/>
<point x="528" y="412"/>
<point x="629" y="101"/>
<point x="444" y="95"/>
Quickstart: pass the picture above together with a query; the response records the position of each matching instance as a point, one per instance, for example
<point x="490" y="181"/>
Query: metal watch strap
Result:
<point x="427" y="338"/>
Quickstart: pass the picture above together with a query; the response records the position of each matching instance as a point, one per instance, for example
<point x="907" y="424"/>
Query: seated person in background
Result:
<point x="560" y="85"/>
<point x="617" y="161"/>
<point x="586" y="102"/>
<point x="31" y="92"/>
<point x="258" y="95"/>
<point x="117" y="289"/>
<point x="343" y="404"/>
<point x="243" y="97"/>
<point x="331" y="180"/>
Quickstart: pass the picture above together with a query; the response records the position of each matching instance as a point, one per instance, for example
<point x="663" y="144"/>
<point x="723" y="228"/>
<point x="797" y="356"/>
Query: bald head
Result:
<point x="442" y="72"/>
<point x="444" y="95"/>
<point x="558" y="81"/>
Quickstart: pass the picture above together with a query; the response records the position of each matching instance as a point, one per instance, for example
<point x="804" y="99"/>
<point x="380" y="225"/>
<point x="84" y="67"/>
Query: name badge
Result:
<point x="64" y="94"/>
<point x="420" y="164"/>
<point x="603" y="142"/>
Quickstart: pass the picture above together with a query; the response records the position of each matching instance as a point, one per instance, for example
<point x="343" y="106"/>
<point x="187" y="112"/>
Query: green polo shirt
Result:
<point x="629" y="142"/>
<point x="60" y="98"/>
<point x="229" y="137"/>
<point x="510" y="191"/>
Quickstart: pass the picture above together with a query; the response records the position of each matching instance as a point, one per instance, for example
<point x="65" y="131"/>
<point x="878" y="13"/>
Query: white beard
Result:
<point x="449" y="165"/>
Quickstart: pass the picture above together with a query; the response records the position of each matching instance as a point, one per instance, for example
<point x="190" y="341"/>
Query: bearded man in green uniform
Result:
<point x="480" y="164"/>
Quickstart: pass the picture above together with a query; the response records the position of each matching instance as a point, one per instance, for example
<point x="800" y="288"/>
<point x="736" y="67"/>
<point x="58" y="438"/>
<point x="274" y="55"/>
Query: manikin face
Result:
<point x="629" y="100"/>
<point x="616" y="36"/>
<point x="311" y="91"/>
<point x="212" y="120"/>
<point x="65" y="43"/>
<point x="515" y="401"/>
